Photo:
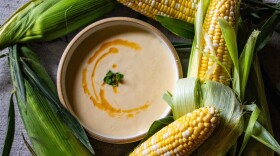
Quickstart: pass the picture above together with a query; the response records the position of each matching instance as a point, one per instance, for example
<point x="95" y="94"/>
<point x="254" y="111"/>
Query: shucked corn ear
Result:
<point x="216" y="47"/>
<point x="44" y="20"/>
<point x="179" y="9"/>
<point x="182" y="136"/>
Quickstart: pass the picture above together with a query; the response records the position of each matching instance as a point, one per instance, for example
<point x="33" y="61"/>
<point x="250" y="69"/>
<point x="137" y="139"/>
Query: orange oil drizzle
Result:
<point x="111" y="51"/>
<point x="106" y="106"/>
<point x="117" y="42"/>
<point x="103" y="103"/>
<point x="115" y="89"/>
<point x="85" y="86"/>
<point x="114" y="66"/>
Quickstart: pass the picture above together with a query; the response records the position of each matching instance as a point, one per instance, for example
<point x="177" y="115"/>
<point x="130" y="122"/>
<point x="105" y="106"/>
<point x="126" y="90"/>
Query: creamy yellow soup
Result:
<point x="126" y="110"/>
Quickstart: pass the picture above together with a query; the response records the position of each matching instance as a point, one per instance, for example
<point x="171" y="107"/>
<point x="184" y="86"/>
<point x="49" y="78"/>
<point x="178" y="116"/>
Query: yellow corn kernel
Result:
<point x="182" y="136"/>
<point x="182" y="10"/>
<point x="225" y="9"/>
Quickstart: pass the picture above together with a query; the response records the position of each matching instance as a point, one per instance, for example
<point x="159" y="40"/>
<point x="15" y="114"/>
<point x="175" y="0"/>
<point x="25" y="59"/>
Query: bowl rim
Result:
<point x="63" y="66"/>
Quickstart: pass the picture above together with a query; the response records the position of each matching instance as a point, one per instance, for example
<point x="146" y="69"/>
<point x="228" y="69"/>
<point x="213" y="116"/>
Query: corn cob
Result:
<point x="179" y="9"/>
<point x="182" y="136"/>
<point x="226" y="9"/>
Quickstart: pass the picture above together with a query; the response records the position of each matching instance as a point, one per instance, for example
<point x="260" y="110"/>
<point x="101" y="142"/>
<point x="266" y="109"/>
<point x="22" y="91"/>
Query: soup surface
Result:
<point x="128" y="109"/>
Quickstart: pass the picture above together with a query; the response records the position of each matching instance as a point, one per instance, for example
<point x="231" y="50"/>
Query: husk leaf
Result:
<point x="255" y="91"/>
<point x="231" y="125"/>
<point x="245" y="61"/>
<point x="250" y="125"/>
<point x="186" y="99"/>
<point x="9" y="138"/>
<point x="45" y="20"/>
<point x="176" y="26"/>
<point x="195" y="52"/>
<point x="230" y="38"/>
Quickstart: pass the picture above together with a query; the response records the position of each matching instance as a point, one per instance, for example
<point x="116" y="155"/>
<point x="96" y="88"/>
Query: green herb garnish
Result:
<point x="113" y="79"/>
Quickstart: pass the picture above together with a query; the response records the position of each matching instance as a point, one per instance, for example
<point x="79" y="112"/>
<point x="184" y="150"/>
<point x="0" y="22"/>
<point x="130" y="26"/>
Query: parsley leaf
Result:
<point x="113" y="79"/>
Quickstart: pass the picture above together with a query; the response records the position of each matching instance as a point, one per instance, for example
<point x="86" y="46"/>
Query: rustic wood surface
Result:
<point x="51" y="52"/>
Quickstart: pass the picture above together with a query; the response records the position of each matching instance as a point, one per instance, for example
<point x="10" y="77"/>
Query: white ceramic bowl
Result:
<point x="96" y="117"/>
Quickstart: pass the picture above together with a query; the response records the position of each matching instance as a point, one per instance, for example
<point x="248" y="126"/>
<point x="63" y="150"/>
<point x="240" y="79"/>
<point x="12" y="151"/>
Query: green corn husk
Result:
<point x="232" y="124"/>
<point x="10" y="129"/>
<point x="45" y="20"/>
<point x="51" y="130"/>
<point x="256" y="92"/>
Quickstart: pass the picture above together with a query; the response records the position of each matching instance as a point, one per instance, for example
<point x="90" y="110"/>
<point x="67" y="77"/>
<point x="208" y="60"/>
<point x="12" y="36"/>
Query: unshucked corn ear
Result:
<point x="179" y="9"/>
<point x="44" y="20"/>
<point x="182" y="136"/>
<point x="51" y="130"/>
